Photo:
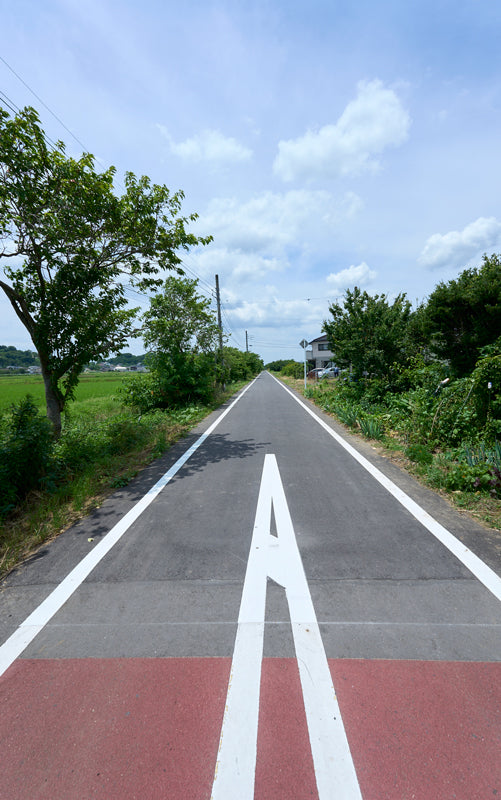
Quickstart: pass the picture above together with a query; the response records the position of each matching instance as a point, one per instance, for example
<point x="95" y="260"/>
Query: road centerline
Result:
<point x="277" y="557"/>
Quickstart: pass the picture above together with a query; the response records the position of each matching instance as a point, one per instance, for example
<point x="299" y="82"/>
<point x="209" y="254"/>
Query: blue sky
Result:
<point x="324" y="145"/>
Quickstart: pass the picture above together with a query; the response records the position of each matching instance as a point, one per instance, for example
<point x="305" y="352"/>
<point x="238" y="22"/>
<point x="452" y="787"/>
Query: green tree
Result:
<point x="73" y="244"/>
<point x="368" y="333"/>
<point x="240" y="365"/>
<point x="464" y="315"/>
<point x="182" y="331"/>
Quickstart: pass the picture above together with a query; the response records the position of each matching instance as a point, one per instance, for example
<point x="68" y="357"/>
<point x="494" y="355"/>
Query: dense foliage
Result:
<point x="293" y="369"/>
<point x="92" y="451"/>
<point x="239" y="365"/>
<point x="464" y="315"/>
<point x="73" y="244"/>
<point x="182" y="333"/>
<point x="376" y="338"/>
<point x="368" y="333"/>
<point x="26" y="449"/>
<point x="429" y="379"/>
<point x="181" y="330"/>
<point x="276" y="366"/>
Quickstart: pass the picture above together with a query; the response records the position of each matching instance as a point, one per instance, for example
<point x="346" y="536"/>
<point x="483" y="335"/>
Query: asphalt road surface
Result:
<point x="270" y="611"/>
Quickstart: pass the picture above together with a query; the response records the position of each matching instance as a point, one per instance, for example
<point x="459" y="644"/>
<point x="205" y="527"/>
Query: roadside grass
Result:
<point x="103" y="448"/>
<point x="438" y="470"/>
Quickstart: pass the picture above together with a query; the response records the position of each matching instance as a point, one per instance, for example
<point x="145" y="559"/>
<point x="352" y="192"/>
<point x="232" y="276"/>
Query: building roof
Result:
<point x="322" y="338"/>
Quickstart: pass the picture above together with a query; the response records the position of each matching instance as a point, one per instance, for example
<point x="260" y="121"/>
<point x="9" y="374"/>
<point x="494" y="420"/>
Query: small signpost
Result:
<point x="304" y="344"/>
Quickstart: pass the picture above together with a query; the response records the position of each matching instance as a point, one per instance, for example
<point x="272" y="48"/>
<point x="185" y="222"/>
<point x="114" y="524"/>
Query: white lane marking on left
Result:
<point x="36" y="621"/>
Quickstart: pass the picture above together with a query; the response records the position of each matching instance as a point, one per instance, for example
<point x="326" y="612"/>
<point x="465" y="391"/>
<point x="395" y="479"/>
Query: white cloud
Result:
<point x="274" y="312"/>
<point x="208" y="145"/>
<point x="236" y="265"/>
<point x="353" y="276"/>
<point x="272" y="222"/>
<point x="370" y="123"/>
<point x="457" y="248"/>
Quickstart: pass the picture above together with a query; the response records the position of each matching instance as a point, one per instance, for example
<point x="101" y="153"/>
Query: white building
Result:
<point x="320" y="352"/>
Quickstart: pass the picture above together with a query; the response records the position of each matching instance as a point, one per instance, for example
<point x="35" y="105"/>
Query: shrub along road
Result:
<point x="184" y="640"/>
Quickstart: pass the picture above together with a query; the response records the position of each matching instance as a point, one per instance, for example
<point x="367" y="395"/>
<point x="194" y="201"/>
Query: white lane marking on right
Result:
<point x="36" y="621"/>
<point x="480" y="570"/>
<point x="278" y="557"/>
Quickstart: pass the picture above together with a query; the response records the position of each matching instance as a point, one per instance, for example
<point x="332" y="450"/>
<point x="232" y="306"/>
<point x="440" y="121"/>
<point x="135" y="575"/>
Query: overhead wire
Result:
<point x="42" y="102"/>
<point x="8" y="102"/>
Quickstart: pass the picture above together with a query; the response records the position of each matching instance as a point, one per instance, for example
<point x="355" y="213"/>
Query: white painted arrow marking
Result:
<point x="278" y="557"/>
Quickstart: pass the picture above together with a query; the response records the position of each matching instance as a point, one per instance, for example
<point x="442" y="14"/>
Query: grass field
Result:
<point x="93" y="385"/>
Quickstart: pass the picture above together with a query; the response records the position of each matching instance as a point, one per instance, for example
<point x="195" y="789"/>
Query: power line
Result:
<point x="16" y="110"/>
<point x="43" y="103"/>
<point x="8" y="102"/>
<point x="208" y="287"/>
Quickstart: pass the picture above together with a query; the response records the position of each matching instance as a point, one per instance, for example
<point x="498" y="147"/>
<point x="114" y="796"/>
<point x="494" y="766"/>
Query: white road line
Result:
<point x="480" y="570"/>
<point x="278" y="557"/>
<point x="36" y="621"/>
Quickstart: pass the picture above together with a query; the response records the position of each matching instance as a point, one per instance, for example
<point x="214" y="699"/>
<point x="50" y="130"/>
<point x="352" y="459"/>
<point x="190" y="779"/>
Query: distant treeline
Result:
<point x="12" y="357"/>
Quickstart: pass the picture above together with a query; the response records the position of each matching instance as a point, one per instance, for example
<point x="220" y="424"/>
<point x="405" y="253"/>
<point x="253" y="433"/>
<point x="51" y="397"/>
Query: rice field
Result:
<point x="92" y="386"/>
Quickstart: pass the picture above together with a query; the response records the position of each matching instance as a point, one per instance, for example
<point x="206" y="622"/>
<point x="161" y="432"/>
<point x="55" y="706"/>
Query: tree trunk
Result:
<point x="53" y="404"/>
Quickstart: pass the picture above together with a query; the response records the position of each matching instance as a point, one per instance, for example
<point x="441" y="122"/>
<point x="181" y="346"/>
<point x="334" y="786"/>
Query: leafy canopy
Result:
<point x="182" y="331"/>
<point x="464" y="315"/>
<point x="368" y="333"/>
<point x="73" y="245"/>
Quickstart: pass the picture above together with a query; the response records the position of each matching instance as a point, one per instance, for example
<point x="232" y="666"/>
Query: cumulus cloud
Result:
<point x="457" y="248"/>
<point x="208" y="145"/>
<point x="273" y="222"/>
<point x="273" y="312"/>
<point x="372" y="122"/>
<point x="352" y="276"/>
<point x="237" y="265"/>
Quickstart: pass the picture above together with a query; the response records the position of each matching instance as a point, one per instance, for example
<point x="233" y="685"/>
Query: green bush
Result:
<point x="419" y="453"/>
<point x="463" y="478"/>
<point x="372" y="427"/>
<point x="26" y="453"/>
<point x="169" y="384"/>
<point x="139" y="392"/>
<point x="240" y="365"/>
<point x="349" y="415"/>
<point x="293" y="369"/>
<point x="481" y="453"/>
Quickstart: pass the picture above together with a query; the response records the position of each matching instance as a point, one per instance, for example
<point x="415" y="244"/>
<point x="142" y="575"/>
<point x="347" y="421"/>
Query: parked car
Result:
<point x="314" y="373"/>
<point x="329" y="372"/>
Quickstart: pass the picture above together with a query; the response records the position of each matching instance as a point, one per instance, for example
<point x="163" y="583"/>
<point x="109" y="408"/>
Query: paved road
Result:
<point x="185" y="640"/>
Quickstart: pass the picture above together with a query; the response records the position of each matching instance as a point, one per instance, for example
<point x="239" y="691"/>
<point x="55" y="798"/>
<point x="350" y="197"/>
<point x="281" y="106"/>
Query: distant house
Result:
<point x="320" y="352"/>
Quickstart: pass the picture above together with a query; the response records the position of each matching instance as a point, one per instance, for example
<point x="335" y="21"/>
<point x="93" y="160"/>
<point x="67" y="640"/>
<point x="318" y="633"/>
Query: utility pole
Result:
<point x="220" y="326"/>
<point x="246" y="342"/>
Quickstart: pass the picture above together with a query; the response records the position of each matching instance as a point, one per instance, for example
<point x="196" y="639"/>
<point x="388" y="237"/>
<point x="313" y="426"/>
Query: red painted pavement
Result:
<point x="118" y="729"/>
<point x="428" y="730"/>
<point x="284" y="762"/>
<point x="115" y="729"/>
